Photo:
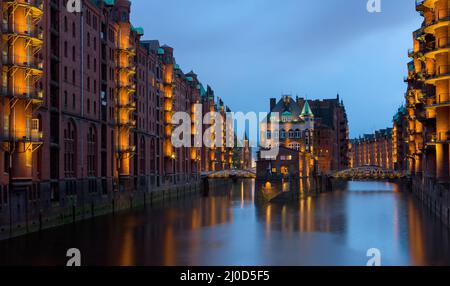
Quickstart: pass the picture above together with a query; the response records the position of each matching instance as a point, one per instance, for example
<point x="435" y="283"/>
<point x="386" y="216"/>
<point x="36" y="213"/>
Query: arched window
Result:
<point x="152" y="155"/>
<point x="298" y="134"/>
<point x="283" y="134"/>
<point x="74" y="30"/>
<point x="291" y="134"/>
<point x="69" y="149"/>
<point x="92" y="151"/>
<point x="142" y="156"/>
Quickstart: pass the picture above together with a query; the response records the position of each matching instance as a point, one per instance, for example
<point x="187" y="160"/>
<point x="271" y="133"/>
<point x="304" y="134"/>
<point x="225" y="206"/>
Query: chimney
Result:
<point x="273" y="103"/>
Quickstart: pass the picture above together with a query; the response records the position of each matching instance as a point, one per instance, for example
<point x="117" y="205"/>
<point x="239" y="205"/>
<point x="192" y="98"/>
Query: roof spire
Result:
<point x="307" y="112"/>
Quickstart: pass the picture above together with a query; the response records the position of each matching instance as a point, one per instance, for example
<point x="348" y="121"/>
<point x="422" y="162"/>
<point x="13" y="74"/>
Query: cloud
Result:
<point x="251" y="50"/>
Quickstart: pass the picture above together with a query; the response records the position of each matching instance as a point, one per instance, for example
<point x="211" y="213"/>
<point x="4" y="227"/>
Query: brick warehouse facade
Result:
<point x="86" y="109"/>
<point x="373" y="150"/>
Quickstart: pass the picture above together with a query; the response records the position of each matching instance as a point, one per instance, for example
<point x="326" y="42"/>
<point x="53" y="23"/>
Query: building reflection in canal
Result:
<point x="229" y="227"/>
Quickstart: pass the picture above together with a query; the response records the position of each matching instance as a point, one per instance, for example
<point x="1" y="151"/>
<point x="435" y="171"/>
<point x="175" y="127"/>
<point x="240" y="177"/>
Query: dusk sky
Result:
<point x="252" y="50"/>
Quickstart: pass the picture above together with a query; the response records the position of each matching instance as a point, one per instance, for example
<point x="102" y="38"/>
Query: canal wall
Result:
<point x="434" y="196"/>
<point x="86" y="206"/>
<point x="277" y="189"/>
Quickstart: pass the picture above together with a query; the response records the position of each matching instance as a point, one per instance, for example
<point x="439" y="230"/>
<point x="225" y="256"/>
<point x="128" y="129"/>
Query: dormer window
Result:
<point x="286" y="117"/>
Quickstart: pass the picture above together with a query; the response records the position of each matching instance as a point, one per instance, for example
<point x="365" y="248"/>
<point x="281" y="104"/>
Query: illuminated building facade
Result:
<point x="294" y="138"/>
<point x="86" y="109"/>
<point x="428" y="107"/>
<point x="319" y="127"/>
<point x="373" y="150"/>
<point x="399" y="140"/>
<point x="428" y="92"/>
<point x="331" y="134"/>
<point x="22" y="63"/>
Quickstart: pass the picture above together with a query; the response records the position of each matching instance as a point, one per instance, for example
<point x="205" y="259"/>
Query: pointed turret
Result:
<point x="307" y="112"/>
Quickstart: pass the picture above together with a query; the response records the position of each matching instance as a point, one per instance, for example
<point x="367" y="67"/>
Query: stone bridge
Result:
<point x="368" y="173"/>
<point x="246" y="174"/>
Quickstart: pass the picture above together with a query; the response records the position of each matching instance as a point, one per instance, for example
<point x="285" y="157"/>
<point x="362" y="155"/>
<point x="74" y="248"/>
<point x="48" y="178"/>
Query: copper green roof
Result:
<point x="138" y="30"/>
<point x="109" y="2"/>
<point x="307" y="110"/>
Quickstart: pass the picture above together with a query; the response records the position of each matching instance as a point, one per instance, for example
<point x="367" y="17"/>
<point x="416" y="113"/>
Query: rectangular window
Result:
<point x="6" y="162"/>
<point x="35" y="124"/>
<point x="6" y="125"/>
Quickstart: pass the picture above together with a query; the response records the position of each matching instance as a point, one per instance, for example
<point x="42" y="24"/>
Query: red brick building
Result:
<point x="317" y="128"/>
<point x="86" y="109"/>
<point x="331" y="133"/>
<point x="373" y="150"/>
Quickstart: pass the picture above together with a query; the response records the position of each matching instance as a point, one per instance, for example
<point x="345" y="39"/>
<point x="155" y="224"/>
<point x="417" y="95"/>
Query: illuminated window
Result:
<point x="6" y="125"/>
<point x="35" y="124"/>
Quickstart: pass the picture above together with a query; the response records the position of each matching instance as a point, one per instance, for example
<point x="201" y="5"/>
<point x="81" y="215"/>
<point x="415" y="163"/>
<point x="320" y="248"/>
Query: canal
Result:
<point x="228" y="227"/>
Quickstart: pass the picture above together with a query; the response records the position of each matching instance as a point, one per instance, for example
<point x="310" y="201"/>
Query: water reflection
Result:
<point x="229" y="228"/>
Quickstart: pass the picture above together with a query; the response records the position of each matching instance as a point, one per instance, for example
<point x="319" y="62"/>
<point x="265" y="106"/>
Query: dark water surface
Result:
<point x="228" y="228"/>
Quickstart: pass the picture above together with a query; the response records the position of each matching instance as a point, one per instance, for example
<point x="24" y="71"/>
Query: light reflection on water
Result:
<point x="229" y="228"/>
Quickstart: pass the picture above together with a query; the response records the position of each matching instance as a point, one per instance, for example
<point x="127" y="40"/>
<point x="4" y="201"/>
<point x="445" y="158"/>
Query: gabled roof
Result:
<point x="287" y="104"/>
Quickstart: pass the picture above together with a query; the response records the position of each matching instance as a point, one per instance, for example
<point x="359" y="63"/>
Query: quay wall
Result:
<point x="82" y="206"/>
<point x="434" y="196"/>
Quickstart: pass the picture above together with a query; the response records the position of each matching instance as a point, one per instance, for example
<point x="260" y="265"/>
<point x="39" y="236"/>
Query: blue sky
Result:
<point x="252" y="50"/>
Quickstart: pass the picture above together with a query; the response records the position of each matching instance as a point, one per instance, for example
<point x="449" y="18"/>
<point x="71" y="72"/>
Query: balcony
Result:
<point x="443" y="100"/>
<point x="35" y="7"/>
<point x="442" y="72"/>
<point x="126" y="150"/>
<point x="130" y="87"/>
<point x="24" y="62"/>
<point x="129" y="106"/>
<point x="131" y="51"/>
<point x="440" y="46"/>
<point x="441" y="19"/>
<point x="25" y="93"/>
<point x="26" y="31"/>
<point x="129" y="124"/>
<point x="130" y="69"/>
<point x="442" y="14"/>
<point x="443" y="137"/>
<point x="25" y="136"/>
